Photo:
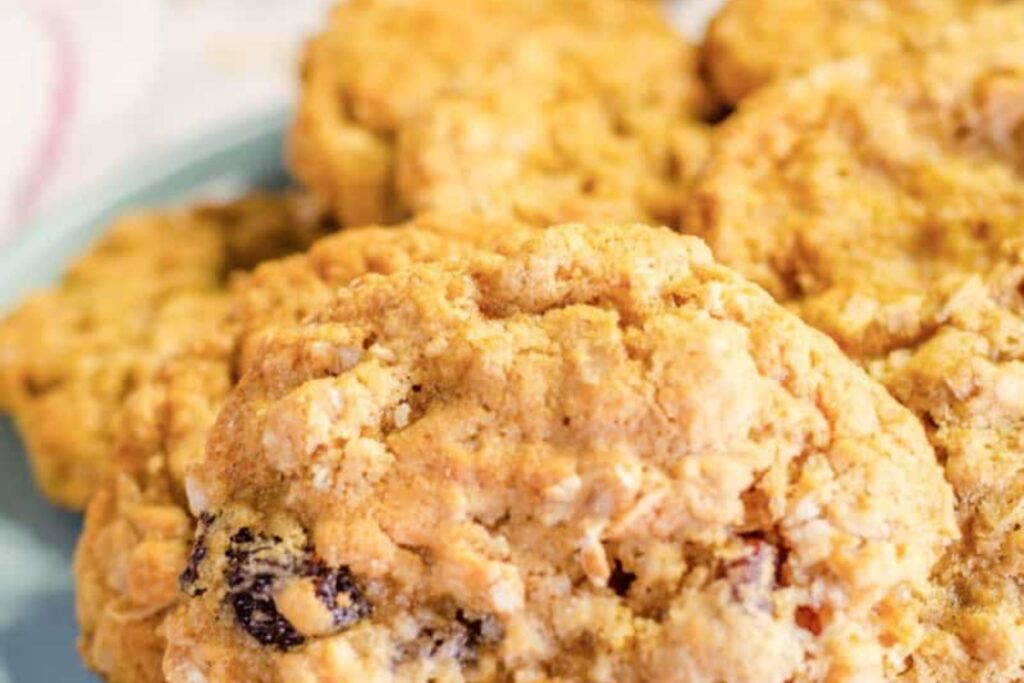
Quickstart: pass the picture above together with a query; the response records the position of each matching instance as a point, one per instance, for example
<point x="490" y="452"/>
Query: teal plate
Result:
<point x="37" y="614"/>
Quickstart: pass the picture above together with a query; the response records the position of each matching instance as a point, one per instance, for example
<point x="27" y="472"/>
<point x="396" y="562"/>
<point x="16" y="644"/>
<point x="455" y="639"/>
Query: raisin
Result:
<point x="188" y="577"/>
<point x="620" y="580"/>
<point x="256" y="612"/>
<point x="255" y="564"/>
<point x="258" y="565"/>
<point x="332" y="584"/>
<point x="243" y="535"/>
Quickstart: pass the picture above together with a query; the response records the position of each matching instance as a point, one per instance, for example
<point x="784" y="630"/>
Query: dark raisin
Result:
<point x="188" y="577"/>
<point x="258" y="565"/>
<point x="254" y="565"/>
<point x="338" y="591"/>
<point x="258" y="615"/>
<point x="620" y="580"/>
<point x="243" y="535"/>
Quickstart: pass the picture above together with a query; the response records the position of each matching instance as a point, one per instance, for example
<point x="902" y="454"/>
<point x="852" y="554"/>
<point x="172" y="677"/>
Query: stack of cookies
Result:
<point x="583" y="353"/>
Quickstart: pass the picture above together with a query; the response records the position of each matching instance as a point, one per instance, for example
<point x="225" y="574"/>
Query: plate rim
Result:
<point x="199" y="158"/>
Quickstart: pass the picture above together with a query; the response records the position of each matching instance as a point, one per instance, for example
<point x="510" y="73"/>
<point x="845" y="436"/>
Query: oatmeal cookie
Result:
<point x="566" y="125"/>
<point x="69" y="355"/>
<point x="594" y="455"/>
<point x="884" y="202"/>
<point x="752" y="42"/>
<point x="139" y="530"/>
<point x="965" y="378"/>
<point x="381" y="64"/>
<point x="858" y="187"/>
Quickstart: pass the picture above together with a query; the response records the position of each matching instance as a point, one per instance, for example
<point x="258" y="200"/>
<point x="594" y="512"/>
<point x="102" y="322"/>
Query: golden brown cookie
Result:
<point x="884" y="201"/>
<point x="595" y="455"/>
<point x="69" y="355"/>
<point x="381" y="64"/>
<point x="138" y="528"/>
<point x="566" y="124"/>
<point x="855" y="189"/>
<point x="752" y="42"/>
<point x="965" y="378"/>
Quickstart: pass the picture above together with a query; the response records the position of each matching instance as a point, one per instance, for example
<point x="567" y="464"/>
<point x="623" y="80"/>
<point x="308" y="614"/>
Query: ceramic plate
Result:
<point x="37" y="617"/>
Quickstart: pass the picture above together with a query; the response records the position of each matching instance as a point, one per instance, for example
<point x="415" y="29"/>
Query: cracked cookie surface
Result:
<point x="884" y="201"/>
<point x="70" y="355"/>
<point x="752" y="42"/>
<point x="566" y="125"/>
<point x="592" y="455"/>
<point x="381" y="64"/>
<point x="132" y="561"/>
<point x="853" y="190"/>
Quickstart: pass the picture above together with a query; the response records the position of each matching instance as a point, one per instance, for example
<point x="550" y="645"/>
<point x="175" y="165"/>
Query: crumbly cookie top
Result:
<point x="165" y="413"/>
<point x="752" y="42"/>
<point x="381" y="64"/>
<point x="138" y="531"/>
<point x="563" y="460"/>
<point x="567" y="124"/>
<point x="375" y="65"/>
<point x="883" y="201"/>
<point x="965" y="379"/>
<point x="385" y="59"/>
<point x="855" y="190"/>
<point x="70" y="354"/>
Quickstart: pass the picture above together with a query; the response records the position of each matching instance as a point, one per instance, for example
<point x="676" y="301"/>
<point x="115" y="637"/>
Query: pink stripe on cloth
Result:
<point x="58" y="123"/>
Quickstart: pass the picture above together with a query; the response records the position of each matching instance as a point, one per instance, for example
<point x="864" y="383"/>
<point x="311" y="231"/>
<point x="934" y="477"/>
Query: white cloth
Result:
<point x="87" y="85"/>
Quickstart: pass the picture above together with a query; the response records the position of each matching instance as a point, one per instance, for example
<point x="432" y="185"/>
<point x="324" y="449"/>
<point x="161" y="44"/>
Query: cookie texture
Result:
<point x="69" y="355"/>
<point x="857" y="188"/>
<point x="884" y="201"/>
<point x="569" y="123"/>
<point x="593" y="455"/>
<point x="753" y="42"/>
<point x="381" y="64"/>
<point x="137" y="548"/>
<point x="965" y="378"/>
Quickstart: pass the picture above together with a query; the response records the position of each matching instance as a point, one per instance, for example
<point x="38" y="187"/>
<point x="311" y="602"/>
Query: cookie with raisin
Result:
<point x="594" y="454"/>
